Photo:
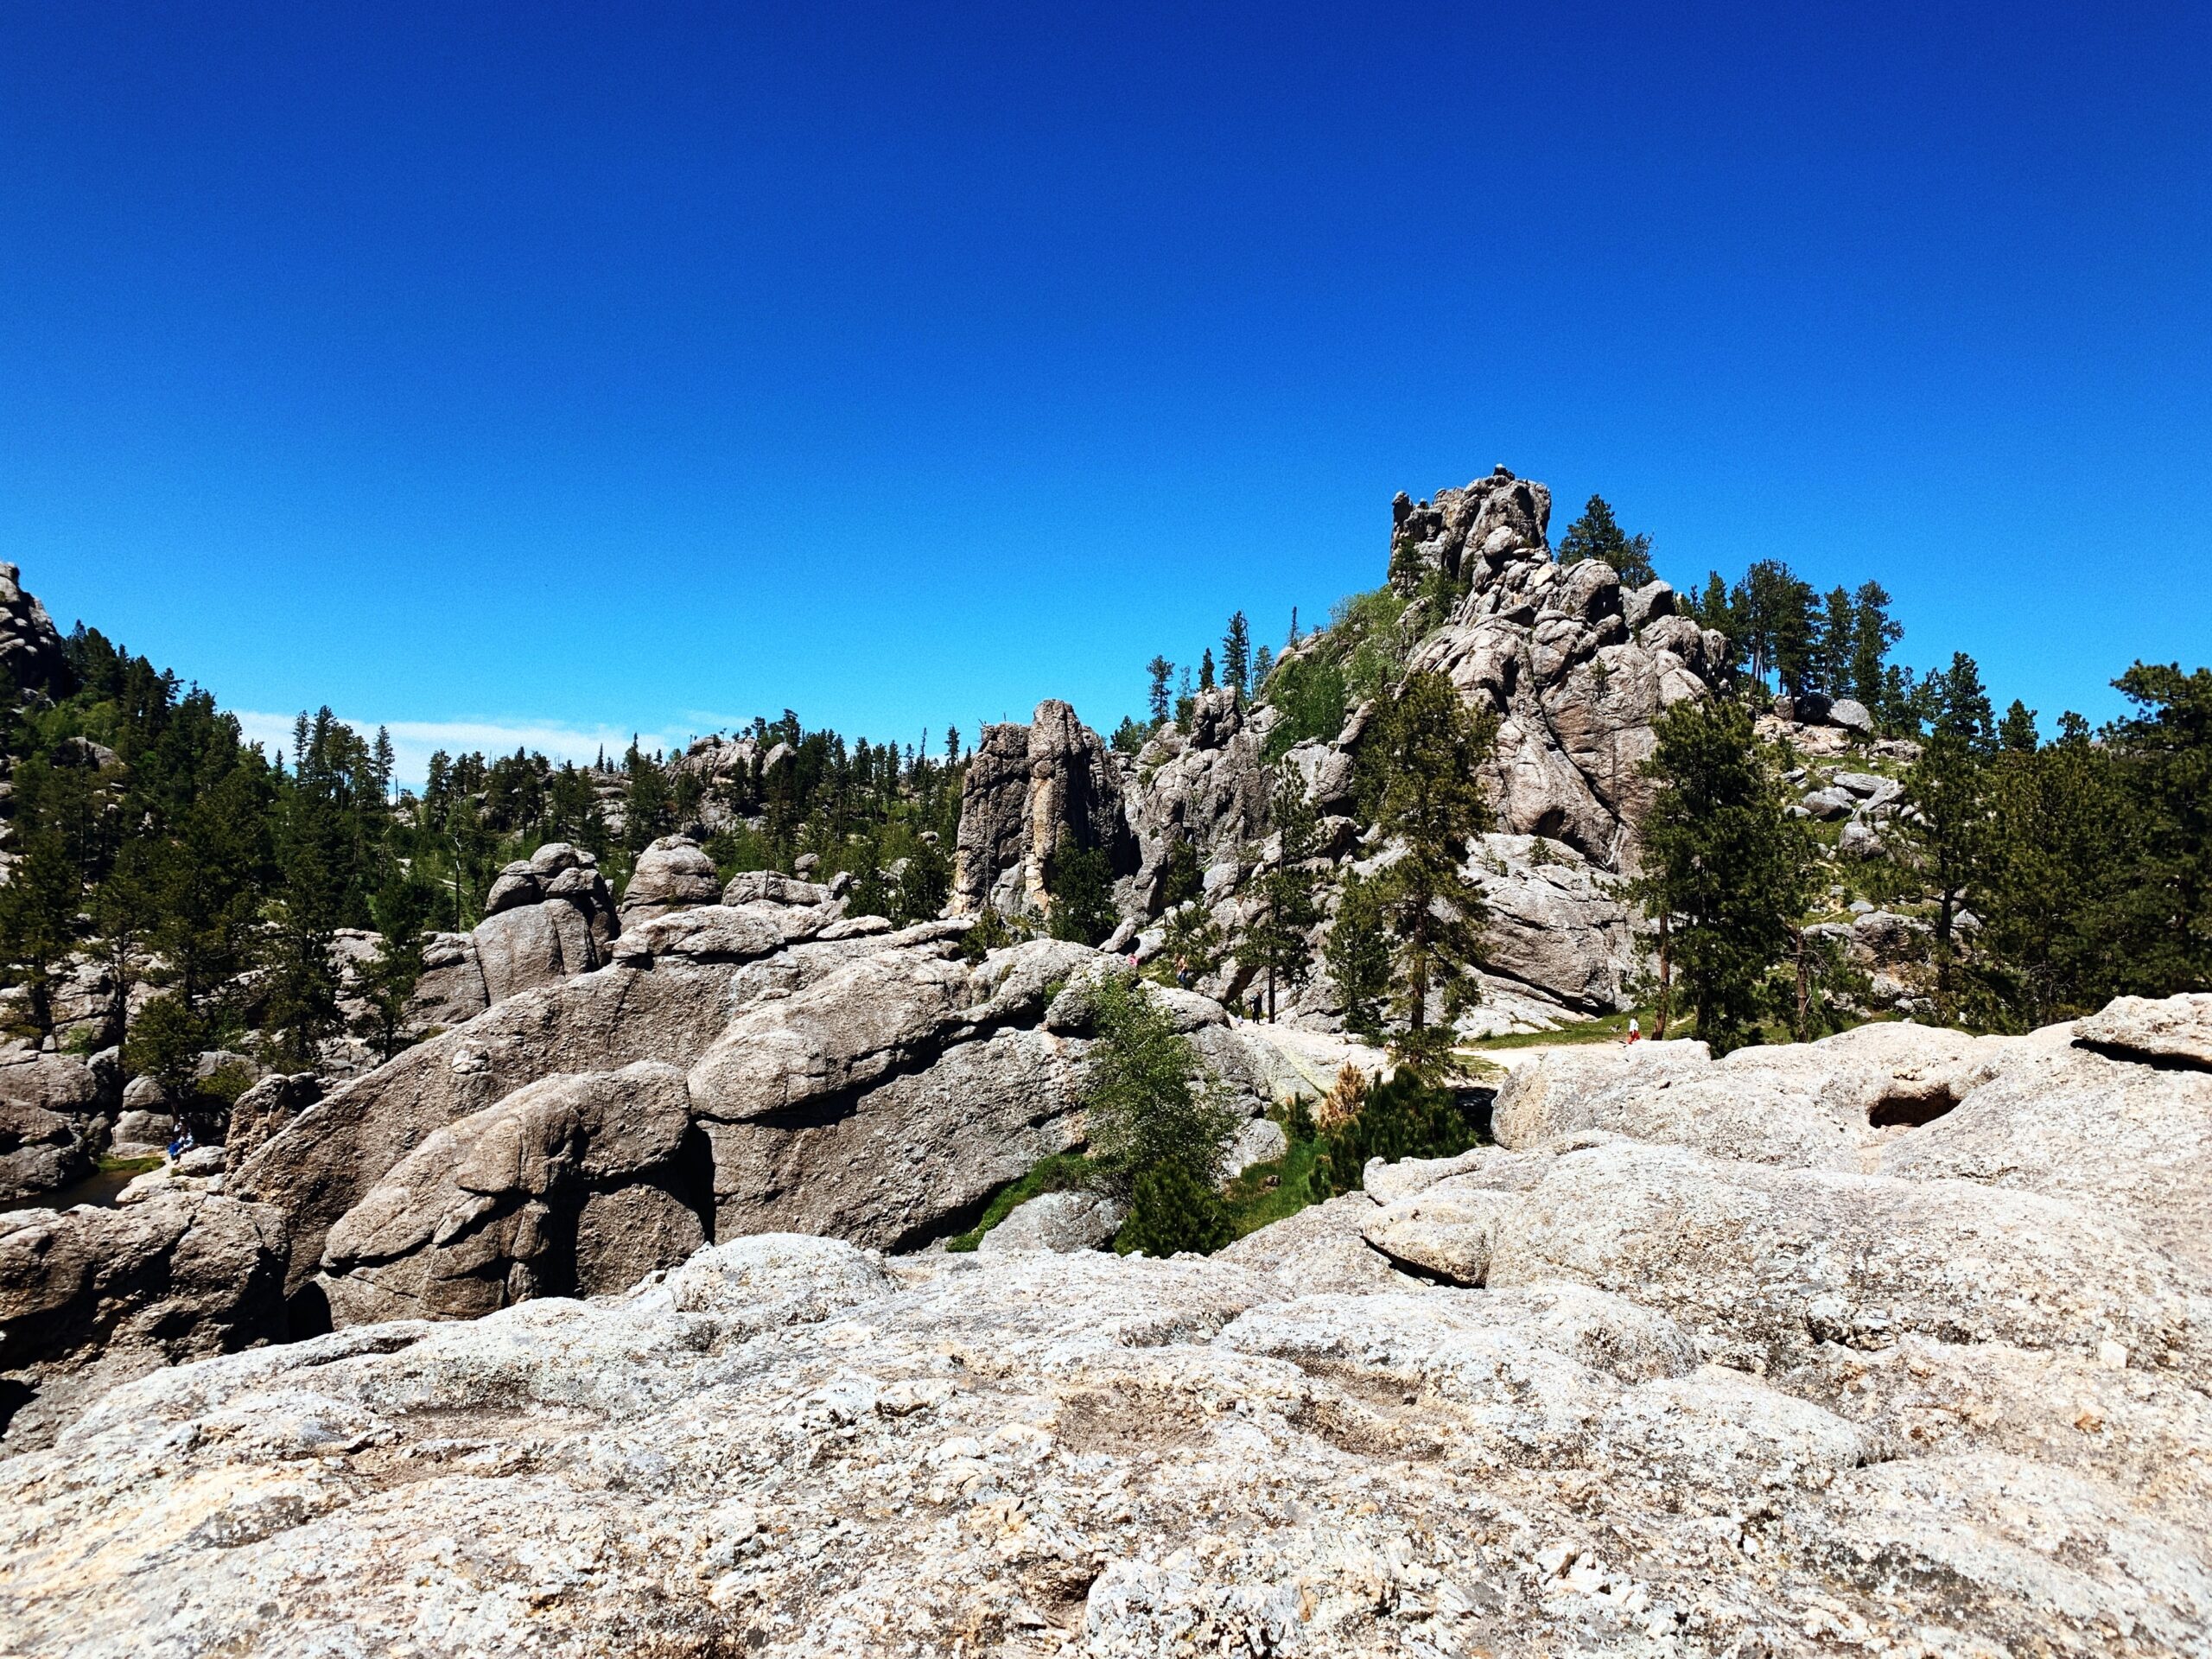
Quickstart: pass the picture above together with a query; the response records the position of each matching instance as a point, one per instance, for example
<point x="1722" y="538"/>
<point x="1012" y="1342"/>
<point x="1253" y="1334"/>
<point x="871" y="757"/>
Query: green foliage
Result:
<point x="1079" y="882"/>
<point x="1402" y="1118"/>
<point x="1063" y="1171"/>
<point x="1598" y="535"/>
<point x="1191" y="945"/>
<point x="1365" y="639"/>
<point x="992" y="930"/>
<point x="1419" y="767"/>
<point x="1308" y="692"/>
<point x="1276" y="945"/>
<point x="1146" y="1098"/>
<point x="2167" y="750"/>
<point x="1172" y="1209"/>
<point x="1128" y="736"/>
<point x="1236" y="656"/>
<point x="1157" y="672"/>
<point x="1180" y="878"/>
<point x="1357" y="955"/>
<point x="1726" y="873"/>
<point x="387" y="980"/>
<point x="165" y="1044"/>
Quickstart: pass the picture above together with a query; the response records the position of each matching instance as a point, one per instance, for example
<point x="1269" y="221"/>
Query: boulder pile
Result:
<point x="1896" y="1344"/>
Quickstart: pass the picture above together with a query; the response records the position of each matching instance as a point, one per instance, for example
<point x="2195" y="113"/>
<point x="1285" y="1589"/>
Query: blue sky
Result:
<point x="570" y="370"/>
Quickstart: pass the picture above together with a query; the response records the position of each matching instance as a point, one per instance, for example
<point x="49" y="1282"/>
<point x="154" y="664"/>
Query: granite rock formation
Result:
<point x="1030" y="790"/>
<point x="1598" y="1389"/>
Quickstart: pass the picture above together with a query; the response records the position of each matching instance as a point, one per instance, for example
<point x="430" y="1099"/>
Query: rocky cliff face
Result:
<point x="1030" y="790"/>
<point x="1575" y="667"/>
<point x="1899" y="1342"/>
<point x="30" y="645"/>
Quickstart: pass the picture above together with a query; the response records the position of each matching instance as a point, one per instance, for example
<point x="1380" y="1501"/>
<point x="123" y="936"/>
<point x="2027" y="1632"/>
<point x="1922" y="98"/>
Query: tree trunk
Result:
<point x="1798" y="933"/>
<point x="1666" y="976"/>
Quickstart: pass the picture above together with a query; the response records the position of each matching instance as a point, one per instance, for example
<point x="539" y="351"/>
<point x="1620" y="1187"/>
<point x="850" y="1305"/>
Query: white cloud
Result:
<point x="413" y="741"/>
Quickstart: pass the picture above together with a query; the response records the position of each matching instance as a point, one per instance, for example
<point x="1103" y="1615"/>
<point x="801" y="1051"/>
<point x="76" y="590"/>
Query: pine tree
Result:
<point x="1149" y="1105"/>
<point x="1947" y="830"/>
<point x="38" y="910"/>
<point x="1205" y="671"/>
<point x="1236" y="656"/>
<point x="2166" y="747"/>
<point x="388" y="978"/>
<point x="1358" y="955"/>
<point x="1421" y="757"/>
<point x="1277" y="942"/>
<point x="1263" y="664"/>
<point x="2055" y="882"/>
<point x="2016" y="732"/>
<point x="1724" y="872"/>
<point x="648" y="807"/>
<point x="1838" y="638"/>
<point x="1079" y="884"/>
<point x="1157" y="672"/>
<point x="1172" y="1211"/>
<point x="1598" y="535"/>
<point x="1873" y="634"/>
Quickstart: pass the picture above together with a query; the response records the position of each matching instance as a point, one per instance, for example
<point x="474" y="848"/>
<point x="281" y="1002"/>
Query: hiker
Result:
<point x="1635" y="1035"/>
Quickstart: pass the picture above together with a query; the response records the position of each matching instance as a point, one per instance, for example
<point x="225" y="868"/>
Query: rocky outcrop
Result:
<point x="1967" y="1428"/>
<point x="90" y="1297"/>
<point x="573" y="1184"/>
<point x="1575" y="667"/>
<point x="51" y="1123"/>
<point x="1457" y="533"/>
<point x="31" y="653"/>
<point x="2050" y="1112"/>
<point x="808" y="1070"/>
<point x="547" y="917"/>
<point x="1029" y="790"/>
<point x="672" y="873"/>
<point x="327" y="1159"/>
<point x="1548" y="649"/>
<point x="2174" y="1032"/>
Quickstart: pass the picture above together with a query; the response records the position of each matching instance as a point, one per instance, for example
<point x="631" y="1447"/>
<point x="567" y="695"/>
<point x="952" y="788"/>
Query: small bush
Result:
<point x="1171" y="1211"/>
<point x="1146" y="1097"/>
<point x="1402" y="1118"/>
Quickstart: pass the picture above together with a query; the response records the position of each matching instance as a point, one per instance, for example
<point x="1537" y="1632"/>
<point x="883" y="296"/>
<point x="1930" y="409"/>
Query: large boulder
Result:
<point x="571" y="1186"/>
<point x="671" y="874"/>
<point x="90" y="1297"/>
<point x="40" y="1150"/>
<point x="49" y="1107"/>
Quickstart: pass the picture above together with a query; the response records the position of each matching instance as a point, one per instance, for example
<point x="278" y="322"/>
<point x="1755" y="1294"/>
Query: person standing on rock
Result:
<point x="1634" y="1034"/>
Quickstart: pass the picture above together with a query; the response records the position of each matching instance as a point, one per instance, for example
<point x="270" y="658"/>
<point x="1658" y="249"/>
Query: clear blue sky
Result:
<point x="611" y="367"/>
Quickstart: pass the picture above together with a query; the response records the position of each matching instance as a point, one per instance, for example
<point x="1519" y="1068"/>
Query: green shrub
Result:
<point x="1172" y="1210"/>
<point x="1402" y="1118"/>
<point x="1147" y="1099"/>
<point x="1081" y="885"/>
<point x="1309" y="693"/>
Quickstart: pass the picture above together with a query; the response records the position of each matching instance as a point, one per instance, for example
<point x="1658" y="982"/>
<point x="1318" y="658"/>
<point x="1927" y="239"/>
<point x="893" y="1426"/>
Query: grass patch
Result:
<point x="1063" y="1171"/>
<point x="131" y="1165"/>
<point x="1270" y="1191"/>
<point x="1609" y="1029"/>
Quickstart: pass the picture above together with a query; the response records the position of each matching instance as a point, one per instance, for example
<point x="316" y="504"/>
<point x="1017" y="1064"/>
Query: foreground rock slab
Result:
<point x="794" y="1446"/>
